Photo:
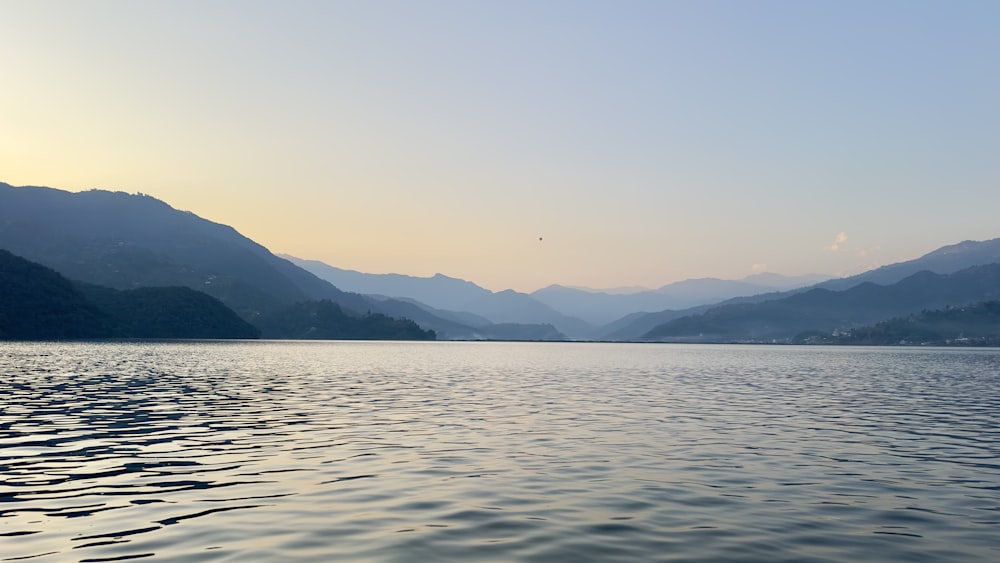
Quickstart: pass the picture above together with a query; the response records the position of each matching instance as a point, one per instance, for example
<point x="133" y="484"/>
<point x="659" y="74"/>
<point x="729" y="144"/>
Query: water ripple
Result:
<point x="271" y="451"/>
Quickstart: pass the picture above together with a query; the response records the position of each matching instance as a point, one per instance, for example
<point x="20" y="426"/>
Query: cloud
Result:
<point x="840" y="239"/>
<point x="758" y="268"/>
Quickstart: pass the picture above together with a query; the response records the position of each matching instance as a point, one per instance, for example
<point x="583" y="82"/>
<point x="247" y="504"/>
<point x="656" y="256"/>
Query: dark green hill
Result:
<point x="824" y="311"/>
<point x="975" y="325"/>
<point x="37" y="303"/>
<point x="168" y="312"/>
<point x="325" y="320"/>
<point x="945" y="260"/>
<point x="126" y="241"/>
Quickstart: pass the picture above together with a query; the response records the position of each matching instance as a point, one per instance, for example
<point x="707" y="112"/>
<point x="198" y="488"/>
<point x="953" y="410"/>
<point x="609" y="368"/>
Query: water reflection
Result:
<point x="476" y="451"/>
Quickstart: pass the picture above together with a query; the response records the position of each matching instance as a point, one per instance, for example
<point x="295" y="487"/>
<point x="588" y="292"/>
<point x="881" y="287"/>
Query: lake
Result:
<point x="465" y="451"/>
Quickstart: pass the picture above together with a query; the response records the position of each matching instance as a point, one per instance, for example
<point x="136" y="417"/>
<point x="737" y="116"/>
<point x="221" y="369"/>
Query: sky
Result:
<point x="519" y="144"/>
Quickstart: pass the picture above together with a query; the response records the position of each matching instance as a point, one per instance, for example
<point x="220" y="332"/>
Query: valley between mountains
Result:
<point x="102" y="264"/>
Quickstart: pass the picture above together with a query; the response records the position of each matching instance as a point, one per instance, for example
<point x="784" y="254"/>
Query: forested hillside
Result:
<point x="36" y="303"/>
<point x="974" y="325"/>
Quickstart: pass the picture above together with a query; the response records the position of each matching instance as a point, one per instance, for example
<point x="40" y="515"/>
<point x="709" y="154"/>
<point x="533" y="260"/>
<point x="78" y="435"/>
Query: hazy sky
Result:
<point x="644" y="142"/>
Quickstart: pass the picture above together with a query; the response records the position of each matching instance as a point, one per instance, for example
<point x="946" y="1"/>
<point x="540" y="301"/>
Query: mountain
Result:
<point x="823" y="310"/>
<point x="974" y="325"/>
<point x="512" y="307"/>
<point x="168" y="312"/>
<point x="945" y="260"/>
<point x="438" y="291"/>
<point x="460" y="297"/>
<point x="37" y="303"/>
<point x="127" y="241"/>
<point x="469" y="326"/>
<point x="601" y="308"/>
<point x="780" y="282"/>
<point x="634" y="327"/>
<point x="325" y="320"/>
<point x="573" y="311"/>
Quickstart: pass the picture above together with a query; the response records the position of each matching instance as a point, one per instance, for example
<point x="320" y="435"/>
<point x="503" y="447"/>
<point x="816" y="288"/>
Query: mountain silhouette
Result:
<point x="460" y="297"/>
<point x="37" y="303"/>
<point x="130" y="241"/>
<point x="823" y="310"/>
<point x="944" y="260"/>
<point x="438" y="291"/>
<point x="973" y="325"/>
<point x="601" y="308"/>
<point x="325" y="320"/>
<point x="125" y="241"/>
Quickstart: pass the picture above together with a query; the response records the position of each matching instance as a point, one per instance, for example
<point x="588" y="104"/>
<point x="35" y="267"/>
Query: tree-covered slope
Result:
<point x="824" y="310"/>
<point x="325" y="320"/>
<point x="509" y="308"/>
<point x="126" y="241"/>
<point x="168" y="312"/>
<point x="37" y="303"/>
<point x="973" y="325"/>
<point x="945" y="260"/>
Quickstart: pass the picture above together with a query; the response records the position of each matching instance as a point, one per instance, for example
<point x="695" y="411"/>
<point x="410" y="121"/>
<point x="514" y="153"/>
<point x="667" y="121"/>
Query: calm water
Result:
<point x="341" y="451"/>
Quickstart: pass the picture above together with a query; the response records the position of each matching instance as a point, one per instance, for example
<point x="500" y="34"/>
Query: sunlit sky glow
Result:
<point x="645" y="142"/>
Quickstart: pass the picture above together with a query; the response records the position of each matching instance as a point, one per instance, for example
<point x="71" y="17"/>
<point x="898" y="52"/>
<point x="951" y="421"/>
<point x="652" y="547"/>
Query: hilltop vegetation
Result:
<point x="508" y="314"/>
<point x="144" y="269"/>
<point x="127" y="241"/>
<point x="974" y="325"/>
<point x="823" y="311"/>
<point x="167" y="312"/>
<point x="325" y="320"/>
<point x="36" y="303"/>
<point x="130" y="241"/>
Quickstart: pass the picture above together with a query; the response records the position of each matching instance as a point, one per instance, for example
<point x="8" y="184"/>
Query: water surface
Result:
<point x="438" y="451"/>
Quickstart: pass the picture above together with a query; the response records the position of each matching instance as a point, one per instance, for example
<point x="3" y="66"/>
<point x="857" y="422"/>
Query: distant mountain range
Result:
<point x="820" y="310"/>
<point x="946" y="260"/>
<point x="125" y="241"/>
<point x="453" y="297"/>
<point x="578" y="313"/>
<point x="601" y="308"/>
<point x="114" y="244"/>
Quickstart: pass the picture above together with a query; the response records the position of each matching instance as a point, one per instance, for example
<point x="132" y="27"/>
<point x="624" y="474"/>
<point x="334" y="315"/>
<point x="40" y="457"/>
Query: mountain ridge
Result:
<point x="561" y="306"/>
<point x="958" y="256"/>
<point x="441" y="292"/>
<point x="602" y="308"/>
<point x="38" y="303"/>
<point x="827" y="310"/>
<point x="128" y="241"/>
